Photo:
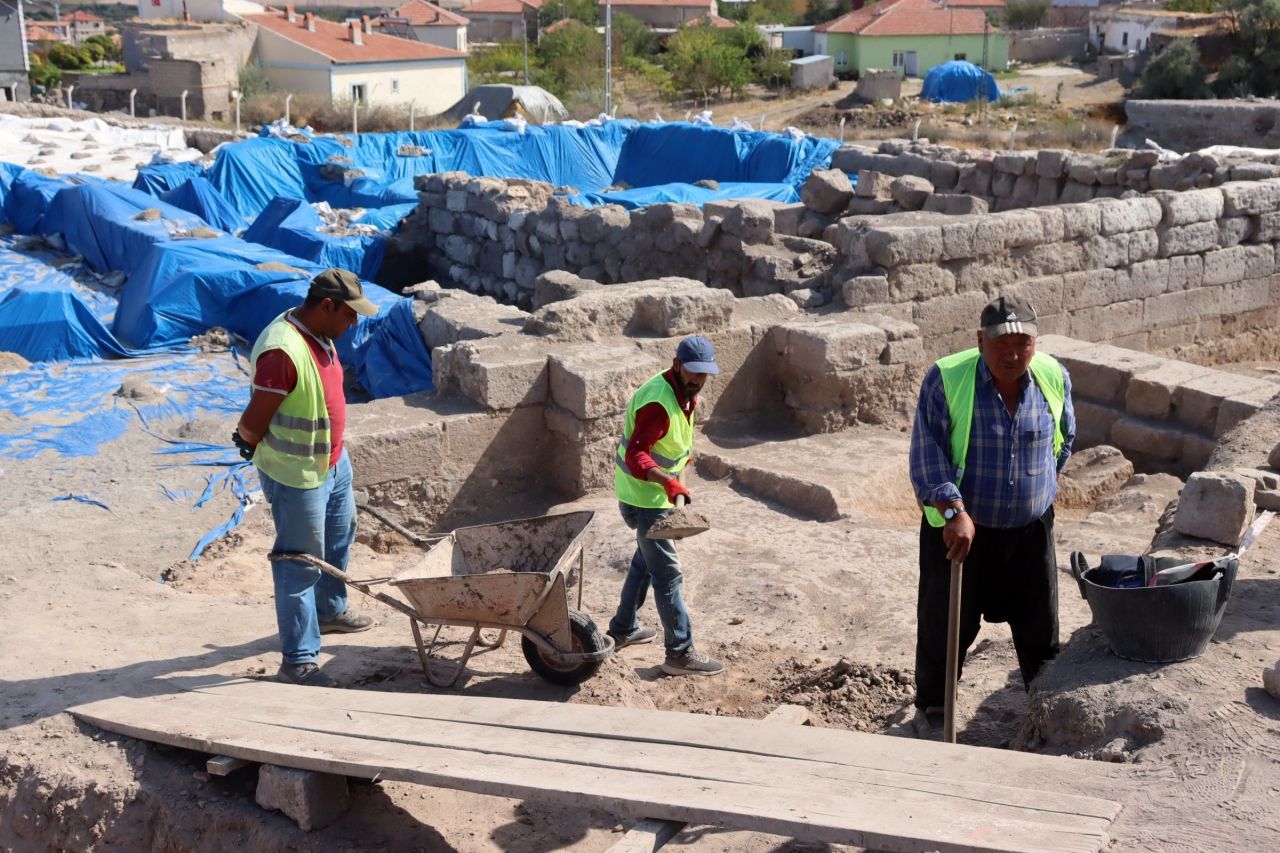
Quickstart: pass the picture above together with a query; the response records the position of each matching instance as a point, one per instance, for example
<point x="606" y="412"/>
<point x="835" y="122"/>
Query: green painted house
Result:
<point x="912" y="35"/>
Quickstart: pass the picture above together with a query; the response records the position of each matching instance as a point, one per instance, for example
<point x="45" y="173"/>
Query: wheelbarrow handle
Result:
<point x="953" y="652"/>
<point x="335" y="572"/>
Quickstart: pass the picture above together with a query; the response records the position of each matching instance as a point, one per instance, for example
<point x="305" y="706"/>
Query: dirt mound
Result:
<point x="845" y="694"/>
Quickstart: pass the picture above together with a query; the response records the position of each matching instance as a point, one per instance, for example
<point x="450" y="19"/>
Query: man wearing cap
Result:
<point x="657" y="441"/>
<point x="993" y="427"/>
<point x="292" y="431"/>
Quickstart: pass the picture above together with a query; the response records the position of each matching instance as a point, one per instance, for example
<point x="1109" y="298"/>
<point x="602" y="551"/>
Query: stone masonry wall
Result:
<point x="496" y="236"/>
<point x="1148" y="272"/>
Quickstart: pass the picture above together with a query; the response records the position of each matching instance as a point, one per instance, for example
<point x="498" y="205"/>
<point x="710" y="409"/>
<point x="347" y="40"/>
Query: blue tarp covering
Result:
<point x="28" y="199"/>
<point x="198" y="196"/>
<point x="158" y="178"/>
<point x="293" y="227"/>
<point x="8" y="171"/>
<point x="686" y="153"/>
<point x="959" y="81"/>
<point x="687" y="194"/>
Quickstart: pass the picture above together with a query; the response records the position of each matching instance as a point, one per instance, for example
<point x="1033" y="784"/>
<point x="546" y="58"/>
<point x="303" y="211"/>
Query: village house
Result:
<point x="1126" y="29"/>
<point x="81" y="26"/>
<point x="13" y="54"/>
<point x="426" y="22"/>
<point x="45" y="33"/>
<point x="663" y="14"/>
<point x="502" y="20"/>
<point x="710" y="20"/>
<point x="911" y="36"/>
<point x="308" y="55"/>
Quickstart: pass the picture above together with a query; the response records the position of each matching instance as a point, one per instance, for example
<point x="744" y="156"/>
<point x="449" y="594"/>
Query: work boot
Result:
<point x="692" y="662"/>
<point x="640" y="635"/>
<point x="347" y="623"/>
<point x="927" y="723"/>
<point x="304" y="674"/>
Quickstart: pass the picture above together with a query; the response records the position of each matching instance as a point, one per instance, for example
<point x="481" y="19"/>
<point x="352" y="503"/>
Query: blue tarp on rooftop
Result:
<point x="959" y="81"/>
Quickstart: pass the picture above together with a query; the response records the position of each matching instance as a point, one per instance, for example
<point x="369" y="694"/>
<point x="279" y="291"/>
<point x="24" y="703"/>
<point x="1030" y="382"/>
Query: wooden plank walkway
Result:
<point x="810" y="784"/>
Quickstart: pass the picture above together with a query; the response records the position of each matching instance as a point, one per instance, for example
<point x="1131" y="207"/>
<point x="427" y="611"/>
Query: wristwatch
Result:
<point x="951" y="512"/>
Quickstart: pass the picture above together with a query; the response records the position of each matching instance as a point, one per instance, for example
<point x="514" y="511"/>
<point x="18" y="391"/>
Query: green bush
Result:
<point x="110" y="50"/>
<point x="94" y="51"/>
<point x="572" y="57"/>
<point x="1025" y="14"/>
<point x="253" y="82"/>
<point x="65" y="57"/>
<point x="1175" y="72"/>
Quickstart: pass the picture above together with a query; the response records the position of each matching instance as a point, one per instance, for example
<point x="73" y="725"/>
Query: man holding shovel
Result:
<point x="993" y="427"/>
<point x="657" y="440"/>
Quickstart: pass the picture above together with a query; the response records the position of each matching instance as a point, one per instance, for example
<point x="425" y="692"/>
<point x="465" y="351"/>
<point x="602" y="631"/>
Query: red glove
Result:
<point x="674" y="487"/>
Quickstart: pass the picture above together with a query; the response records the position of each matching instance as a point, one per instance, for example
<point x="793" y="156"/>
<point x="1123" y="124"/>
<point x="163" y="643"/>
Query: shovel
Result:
<point x="953" y="654"/>
<point x="680" y="522"/>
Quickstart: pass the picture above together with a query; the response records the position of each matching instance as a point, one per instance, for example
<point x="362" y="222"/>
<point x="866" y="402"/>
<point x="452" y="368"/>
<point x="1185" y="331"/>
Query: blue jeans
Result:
<point x="654" y="564"/>
<point x="320" y="522"/>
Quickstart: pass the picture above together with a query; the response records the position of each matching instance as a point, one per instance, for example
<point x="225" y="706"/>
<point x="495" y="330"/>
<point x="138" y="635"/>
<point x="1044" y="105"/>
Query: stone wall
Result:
<point x="1148" y="272"/>
<point x="496" y="236"/>
<point x="1188" y="125"/>
<point x="1165" y="415"/>
<point x="1048" y="45"/>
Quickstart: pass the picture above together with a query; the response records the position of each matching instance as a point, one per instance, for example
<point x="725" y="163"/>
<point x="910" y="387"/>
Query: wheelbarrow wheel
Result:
<point x="586" y="638"/>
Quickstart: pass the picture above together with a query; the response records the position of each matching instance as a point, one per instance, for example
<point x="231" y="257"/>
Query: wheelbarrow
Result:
<point x="510" y="576"/>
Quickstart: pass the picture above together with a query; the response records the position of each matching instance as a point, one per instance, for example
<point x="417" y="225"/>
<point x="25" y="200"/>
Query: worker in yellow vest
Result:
<point x="292" y="431"/>
<point x="993" y="427"/>
<point x="657" y="441"/>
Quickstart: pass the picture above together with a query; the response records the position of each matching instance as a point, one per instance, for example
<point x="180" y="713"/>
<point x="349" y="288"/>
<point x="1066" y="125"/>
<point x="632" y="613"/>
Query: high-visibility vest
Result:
<point x="959" y="383"/>
<point x="295" y="450"/>
<point x="671" y="452"/>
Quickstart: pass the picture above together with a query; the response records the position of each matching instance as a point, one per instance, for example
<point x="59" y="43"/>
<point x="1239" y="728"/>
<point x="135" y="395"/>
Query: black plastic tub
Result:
<point x="1161" y="624"/>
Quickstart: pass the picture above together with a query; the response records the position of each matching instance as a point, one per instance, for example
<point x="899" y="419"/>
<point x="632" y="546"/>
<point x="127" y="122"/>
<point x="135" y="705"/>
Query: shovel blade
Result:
<point x="680" y="523"/>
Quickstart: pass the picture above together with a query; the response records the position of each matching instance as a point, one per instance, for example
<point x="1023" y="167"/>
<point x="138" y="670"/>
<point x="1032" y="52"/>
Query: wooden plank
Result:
<point x="648" y="835"/>
<point x="1065" y="811"/>
<point x="890" y="823"/>
<point x="756" y="737"/>
<point x="224" y="765"/>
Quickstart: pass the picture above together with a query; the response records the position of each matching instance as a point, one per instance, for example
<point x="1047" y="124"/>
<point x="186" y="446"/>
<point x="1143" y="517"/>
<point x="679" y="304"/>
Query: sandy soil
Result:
<point x="95" y="602"/>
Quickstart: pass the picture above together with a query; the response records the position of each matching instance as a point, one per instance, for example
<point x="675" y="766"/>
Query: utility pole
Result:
<point x="608" y="57"/>
<point x="525" y="30"/>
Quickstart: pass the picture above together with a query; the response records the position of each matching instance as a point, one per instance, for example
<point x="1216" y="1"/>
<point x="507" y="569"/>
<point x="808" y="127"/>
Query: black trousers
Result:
<point x="1010" y="575"/>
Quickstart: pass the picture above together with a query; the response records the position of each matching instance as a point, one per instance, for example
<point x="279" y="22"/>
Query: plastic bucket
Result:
<point x="1159" y="624"/>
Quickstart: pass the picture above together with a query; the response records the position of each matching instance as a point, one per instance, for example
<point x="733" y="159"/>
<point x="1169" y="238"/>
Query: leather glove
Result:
<point x="246" y="449"/>
<point x="674" y="487"/>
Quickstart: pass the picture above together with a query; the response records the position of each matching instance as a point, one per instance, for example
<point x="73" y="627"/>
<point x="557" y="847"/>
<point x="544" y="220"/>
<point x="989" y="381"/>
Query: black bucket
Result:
<point x="1159" y="624"/>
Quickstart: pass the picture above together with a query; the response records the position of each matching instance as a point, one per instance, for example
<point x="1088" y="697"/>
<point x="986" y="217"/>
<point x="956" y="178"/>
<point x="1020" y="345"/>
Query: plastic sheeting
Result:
<point x="158" y="178"/>
<point x="687" y="194"/>
<point x="293" y="227"/>
<point x="959" y="81"/>
<point x="196" y="195"/>
<point x="686" y="153"/>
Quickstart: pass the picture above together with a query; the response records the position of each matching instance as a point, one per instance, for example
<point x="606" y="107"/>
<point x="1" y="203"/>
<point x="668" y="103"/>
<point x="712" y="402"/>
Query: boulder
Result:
<point x="1092" y="474"/>
<point x="827" y="191"/>
<point x="910" y="192"/>
<point x="1215" y="505"/>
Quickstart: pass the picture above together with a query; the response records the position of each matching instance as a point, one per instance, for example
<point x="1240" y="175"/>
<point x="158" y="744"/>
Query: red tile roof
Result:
<point x="909" y="18"/>
<point x="558" y="25"/>
<point x="423" y="14"/>
<point x="697" y="4"/>
<point x="81" y="16"/>
<point x="37" y="33"/>
<point x="334" y="41"/>
<point x="714" y="20"/>
<point x="502" y="7"/>
<point x="970" y="4"/>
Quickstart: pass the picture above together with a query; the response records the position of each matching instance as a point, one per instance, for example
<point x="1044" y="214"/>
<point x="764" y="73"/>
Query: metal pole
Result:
<point x="235" y="96"/>
<point x="525" y="30"/>
<point x="608" y="57"/>
<point x="411" y="110"/>
<point x="71" y="89"/>
<point x="184" y="104"/>
<point x="355" y="106"/>
<point x="953" y="653"/>
<point x="132" y="94"/>
<point x="287" y="98"/>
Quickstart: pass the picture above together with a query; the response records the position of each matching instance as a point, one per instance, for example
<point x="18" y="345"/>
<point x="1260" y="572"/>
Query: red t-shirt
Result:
<point x="276" y="373"/>
<point x="652" y="424"/>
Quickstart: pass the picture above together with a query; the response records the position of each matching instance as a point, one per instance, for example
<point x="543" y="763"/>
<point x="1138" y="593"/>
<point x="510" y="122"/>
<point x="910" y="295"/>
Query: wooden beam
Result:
<point x="650" y="834"/>
<point x="224" y="765"/>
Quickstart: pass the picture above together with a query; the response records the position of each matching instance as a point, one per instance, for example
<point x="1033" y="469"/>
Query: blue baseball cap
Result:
<point x="698" y="355"/>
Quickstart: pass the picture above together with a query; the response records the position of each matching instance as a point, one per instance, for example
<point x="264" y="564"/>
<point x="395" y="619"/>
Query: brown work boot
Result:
<point x="347" y="623"/>
<point x="305" y="675"/>
<point x="692" y="662"/>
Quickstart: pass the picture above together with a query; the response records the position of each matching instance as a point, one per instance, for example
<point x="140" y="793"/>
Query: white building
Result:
<point x="426" y="22"/>
<point x="799" y="39"/>
<point x="1128" y="29"/>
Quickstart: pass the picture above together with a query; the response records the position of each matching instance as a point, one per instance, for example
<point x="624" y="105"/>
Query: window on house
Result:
<point x="899" y="59"/>
<point x="395" y="85"/>
<point x="358" y="92"/>
<point x="842" y="58"/>
<point x="962" y="56"/>
<point x="1124" y="39"/>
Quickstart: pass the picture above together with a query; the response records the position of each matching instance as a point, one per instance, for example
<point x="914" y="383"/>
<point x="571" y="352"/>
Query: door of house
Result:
<point x="911" y="64"/>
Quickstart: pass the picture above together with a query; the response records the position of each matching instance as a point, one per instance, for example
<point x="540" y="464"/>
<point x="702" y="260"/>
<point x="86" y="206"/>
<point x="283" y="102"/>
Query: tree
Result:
<point x="573" y="57"/>
<point x="632" y="38"/>
<point x="584" y="11"/>
<point x="773" y="68"/>
<point x="66" y="57"/>
<point x="110" y="50"/>
<point x="43" y="73"/>
<point x="1175" y="72"/>
<point x="1202" y="6"/>
<point x="94" y="51"/>
<point x="1025" y="14"/>
<point x="702" y="61"/>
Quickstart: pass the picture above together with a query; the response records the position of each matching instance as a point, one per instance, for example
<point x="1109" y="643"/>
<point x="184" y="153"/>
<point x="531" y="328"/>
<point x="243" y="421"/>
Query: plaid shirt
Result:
<point x="1010" y="477"/>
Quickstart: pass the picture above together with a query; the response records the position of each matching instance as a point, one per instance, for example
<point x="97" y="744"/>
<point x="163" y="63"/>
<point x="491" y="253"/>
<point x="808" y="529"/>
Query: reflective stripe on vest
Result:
<point x="671" y="452"/>
<point x="295" y="451"/>
<point x="959" y="383"/>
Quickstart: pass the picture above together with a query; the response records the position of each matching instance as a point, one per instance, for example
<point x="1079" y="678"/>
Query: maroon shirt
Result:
<point x="275" y="372"/>
<point x="651" y="425"/>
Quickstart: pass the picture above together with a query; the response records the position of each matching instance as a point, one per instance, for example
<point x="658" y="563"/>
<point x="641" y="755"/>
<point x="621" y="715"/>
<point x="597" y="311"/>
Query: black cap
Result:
<point x="342" y="286"/>
<point x="1008" y="315"/>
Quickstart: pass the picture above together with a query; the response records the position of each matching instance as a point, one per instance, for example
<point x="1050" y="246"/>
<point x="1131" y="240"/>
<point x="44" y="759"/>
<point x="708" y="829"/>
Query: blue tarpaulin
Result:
<point x="687" y="194"/>
<point x="158" y="178"/>
<point x="959" y="81"/>
<point x="198" y="196"/>
<point x="293" y="227"/>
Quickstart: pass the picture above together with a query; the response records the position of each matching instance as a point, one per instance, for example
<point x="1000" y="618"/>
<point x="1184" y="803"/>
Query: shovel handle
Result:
<point x="953" y="652"/>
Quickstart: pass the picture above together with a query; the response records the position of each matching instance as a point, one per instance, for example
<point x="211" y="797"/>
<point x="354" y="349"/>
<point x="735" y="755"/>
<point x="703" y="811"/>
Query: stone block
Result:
<point x="1012" y="164"/>
<point x="1102" y="372"/>
<point x="600" y="221"/>
<point x="872" y="184"/>
<point x="312" y="800"/>
<point x="1091" y="474"/>
<point x="1093" y="422"/>
<point x="1151" y="393"/>
<point x="1266" y="227"/>
<point x="1143" y="246"/>
<point x="559" y="285"/>
<point x="1186" y="272"/>
<point x="1271" y="679"/>
<point x="1048" y="191"/>
<point x="498" y="373"/>
<point x="1051" y="162"/>
<point x="860" y="291"/>
<point x="892" y="247"/>
<point x="1241" y="406"/>
<point x="465" y="317"/>
<point x="943" y="174"/>
<point x="975" y="179"/>
<point x="1234" y="230"/>
<point x="1002" y="184"/>
<point x="1224" y="265"/>
<point x="1194" y="238"/>
<point x="1184" y="208"/>
<point x="992" y="277"/>
<point x="1215" y="505"/>
<point x="1251" y="198"/>
<point x="1199" y="400"/>
<point x="1014" y="228"/>
<point x="1131" y="214"/>
<point x="1048" y="259"/>
<point x="597" y="382"/>
<point x="1052" y="222"/>
<point x="1074" y="192"/>
<point x="1149" y="440"/>
<point x="786" y="219"/>
<point x="1181" y="307"/>
<point x="960" y="239"/>
<point x="815" y="349"/>
<point x="872" y="207"/>
<point x="1043" y="292"/>
<point x="751" y="220"/>
<point x="1081" y="221"/>
<point x="954" y="204"/>
<point x="1025" y="188"/>
<point x="826" y="191"/>
<point x="1106" y="322"/>
<point x="910" y="191"/>
<point x="920" y="281"/>
<point x="946" y="314"/>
